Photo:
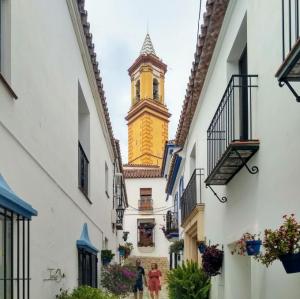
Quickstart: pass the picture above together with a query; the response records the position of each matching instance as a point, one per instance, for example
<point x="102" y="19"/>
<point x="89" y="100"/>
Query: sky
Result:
<point x="119" y="28"/>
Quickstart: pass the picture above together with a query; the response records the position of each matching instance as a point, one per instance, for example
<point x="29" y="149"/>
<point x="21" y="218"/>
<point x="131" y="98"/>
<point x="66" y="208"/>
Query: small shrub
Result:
<point x="119" y="280"/>
<point x="188" y="282"/>
<point x="85" y="292"/>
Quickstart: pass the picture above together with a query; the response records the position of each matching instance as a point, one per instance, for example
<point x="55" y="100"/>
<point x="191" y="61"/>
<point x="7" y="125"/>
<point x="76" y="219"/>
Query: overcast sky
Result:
<point x="119" y="28"/>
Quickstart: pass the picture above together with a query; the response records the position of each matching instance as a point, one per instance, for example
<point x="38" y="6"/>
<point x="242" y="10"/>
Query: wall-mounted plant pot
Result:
<point x="105" y="261"/>
<point x="202" y="247"/>
<point x="291" y="262"/>
<point x="122" y="252"/>
<point x="253" y="247"/>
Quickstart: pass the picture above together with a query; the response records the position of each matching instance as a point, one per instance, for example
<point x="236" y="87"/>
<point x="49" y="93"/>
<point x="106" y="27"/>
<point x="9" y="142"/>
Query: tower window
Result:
<point x="137" y="90"/>
<point x="155" y="89"/>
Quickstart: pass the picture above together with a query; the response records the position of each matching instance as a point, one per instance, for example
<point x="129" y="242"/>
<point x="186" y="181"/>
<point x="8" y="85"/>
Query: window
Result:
<point x="146" y="232"/>
<point x="14" y="250"/>
<point x="181" y="187"/>
<point x="145" y="202"/>
<point x="87" y="268"/>
<point x="106" y="180"/>
<point x="155" y="89"/>
<point x="83" y="143"/>
<point x="137" y="90"/>
<point x="193" y="160"/>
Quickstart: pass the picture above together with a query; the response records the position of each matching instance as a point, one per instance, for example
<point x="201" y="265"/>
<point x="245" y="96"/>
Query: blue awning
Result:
<point x="84" y="242"/>
<point x="10" y="201"/>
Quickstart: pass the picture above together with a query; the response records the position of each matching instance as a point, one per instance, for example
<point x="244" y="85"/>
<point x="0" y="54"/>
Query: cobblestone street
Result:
<point x="163" y="294"/>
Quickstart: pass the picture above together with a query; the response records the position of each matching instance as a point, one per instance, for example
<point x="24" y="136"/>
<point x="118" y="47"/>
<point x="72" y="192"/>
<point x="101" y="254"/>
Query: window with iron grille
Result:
<point x="14" y="255"/>
<point x="87" y="268"/>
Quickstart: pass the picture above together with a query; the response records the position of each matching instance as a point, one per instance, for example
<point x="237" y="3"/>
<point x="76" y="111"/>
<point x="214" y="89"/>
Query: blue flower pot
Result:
<point x="202" y="248"/>
<point x="253" y="247"/>
<point x="105" y="261"/>
<point x="291" y="262"/>
<point x="122" y="252"/>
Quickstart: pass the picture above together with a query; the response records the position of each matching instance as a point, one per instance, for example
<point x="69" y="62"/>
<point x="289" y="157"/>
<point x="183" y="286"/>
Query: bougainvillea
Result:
<point x="212" y="260"/>
<point x="282" y="241"/>
<point x="119" y="280"/>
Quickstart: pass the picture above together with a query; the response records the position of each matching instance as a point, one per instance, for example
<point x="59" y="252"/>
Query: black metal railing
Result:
<point x="290" y="25"/>
<point x="83" y="171"/>
<point x="15" y="255"/>
<point x="191" y="195"/>
<point x="233" y="118"/>
<point x="171" y="222"/>
<point x="145" y="204"/>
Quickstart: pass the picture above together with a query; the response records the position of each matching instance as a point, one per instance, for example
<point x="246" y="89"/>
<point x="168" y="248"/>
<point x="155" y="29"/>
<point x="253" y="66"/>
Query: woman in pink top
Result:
<point x="153" y="281"/>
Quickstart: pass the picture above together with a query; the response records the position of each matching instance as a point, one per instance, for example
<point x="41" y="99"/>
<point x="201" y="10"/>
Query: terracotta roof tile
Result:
<point x="93" y="56"/>
<point x="212" y="23"/>
<point x="142" y="172"/>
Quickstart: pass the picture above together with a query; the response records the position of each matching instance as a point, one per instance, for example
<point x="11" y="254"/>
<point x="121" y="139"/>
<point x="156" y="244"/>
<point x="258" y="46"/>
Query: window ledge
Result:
<point x="8" y="87"/>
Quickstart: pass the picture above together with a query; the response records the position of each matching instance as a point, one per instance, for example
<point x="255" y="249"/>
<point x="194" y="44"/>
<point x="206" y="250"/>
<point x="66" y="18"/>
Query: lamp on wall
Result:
<point x="125" y="236"/>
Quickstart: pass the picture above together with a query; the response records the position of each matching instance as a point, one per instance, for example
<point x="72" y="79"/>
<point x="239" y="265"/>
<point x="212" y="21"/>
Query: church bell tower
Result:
<point x="148" y="116"/>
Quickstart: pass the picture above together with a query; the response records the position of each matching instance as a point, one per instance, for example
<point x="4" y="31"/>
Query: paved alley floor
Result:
<point x="163" y="294"/>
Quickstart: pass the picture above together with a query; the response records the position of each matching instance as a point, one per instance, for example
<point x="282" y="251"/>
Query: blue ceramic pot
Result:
<point x="291" y="262"/>
<point x="253" y="247"/>
<point x="122" y="252"/>
<point x="202" y="248"/>
<point x="105" y="261"/>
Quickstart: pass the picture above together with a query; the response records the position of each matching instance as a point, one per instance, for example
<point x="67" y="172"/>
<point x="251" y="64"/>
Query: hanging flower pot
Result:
<point x="122" y="251"/>
<point x="202" y="247"/>
<point x="106" y="256"/>
<point x="253" y="247"/>
<point x="212" y="260"/>
<point x="105" y="261"/>
<point x="291" y="262"/>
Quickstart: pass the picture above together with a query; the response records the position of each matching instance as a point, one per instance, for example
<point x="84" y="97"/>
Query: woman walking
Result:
<point x="154" y="282"/>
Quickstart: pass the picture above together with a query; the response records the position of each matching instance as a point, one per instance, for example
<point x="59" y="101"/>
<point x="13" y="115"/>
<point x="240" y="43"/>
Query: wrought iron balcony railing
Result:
<point x="289" y="70"/>
<point x="191" y="196"/>
<point x="83" y="171"/>
<point x="145" y="204"/>
<point x="230" y="142"/>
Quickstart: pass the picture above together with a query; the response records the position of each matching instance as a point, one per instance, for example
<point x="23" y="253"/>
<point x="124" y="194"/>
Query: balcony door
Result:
<point x="243" y="101"/>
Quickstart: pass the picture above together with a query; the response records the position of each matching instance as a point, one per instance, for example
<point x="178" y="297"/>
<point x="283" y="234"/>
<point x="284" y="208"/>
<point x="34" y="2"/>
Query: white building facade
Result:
<point x="58" y="154"/>
<point x="238" y="130"/>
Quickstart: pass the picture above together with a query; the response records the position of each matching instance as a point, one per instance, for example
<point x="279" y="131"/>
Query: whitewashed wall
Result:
<point x="133" y="186"/>
<point x="255" y="202"/>
<point x="39" y="141"/>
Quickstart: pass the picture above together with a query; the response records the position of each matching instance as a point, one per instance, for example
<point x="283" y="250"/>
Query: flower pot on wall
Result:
<point x="253" y="247"/>
<point x="291" y="262"/>
<point x="105" y="261"/>
<point x="122" y="252"/>
<point x="202" y="247"/>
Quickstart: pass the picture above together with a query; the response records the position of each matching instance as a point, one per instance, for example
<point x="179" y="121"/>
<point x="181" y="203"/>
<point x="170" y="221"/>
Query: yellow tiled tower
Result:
<point x="148" y="116"/>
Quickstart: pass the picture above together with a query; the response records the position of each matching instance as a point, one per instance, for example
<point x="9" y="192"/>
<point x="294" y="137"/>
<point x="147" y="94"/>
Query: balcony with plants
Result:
<point x="230" y="137"/>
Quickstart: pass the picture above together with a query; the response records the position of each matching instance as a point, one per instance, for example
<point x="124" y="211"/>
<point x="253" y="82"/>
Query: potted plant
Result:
<point x="283" y="244"/>
<point x="128" y="248"/>
<point x="122" y="250"/>
<point x="202" y="246"/>
<point x="176" y="246"/>
<point x="106" y="256"/>
<point x="212" y="260"/>
<point x="249" y="243"/>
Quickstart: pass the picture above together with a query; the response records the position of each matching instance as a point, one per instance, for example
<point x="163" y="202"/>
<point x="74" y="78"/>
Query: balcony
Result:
<point x="289" y="70"/>
<point x="171" y="231"/>
<point x="83" y="171"/>
<point x="191" y="197"/>
<point x="230" y="144"/>
<point x="145" y="204"/>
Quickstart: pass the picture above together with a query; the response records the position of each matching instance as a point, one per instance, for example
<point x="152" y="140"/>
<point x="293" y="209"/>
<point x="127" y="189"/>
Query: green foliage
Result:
<point x="176" y="246"/>
<point x="107" y="254"/>
<point x="188" y="282"/>
<point x="85" y="292"/>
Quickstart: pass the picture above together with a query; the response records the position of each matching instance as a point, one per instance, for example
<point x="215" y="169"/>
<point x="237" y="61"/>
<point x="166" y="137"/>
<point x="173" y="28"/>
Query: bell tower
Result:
<point x="148" y="116"/>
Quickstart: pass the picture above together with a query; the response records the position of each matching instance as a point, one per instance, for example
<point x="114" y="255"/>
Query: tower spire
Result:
<point x="147" y="47"/>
